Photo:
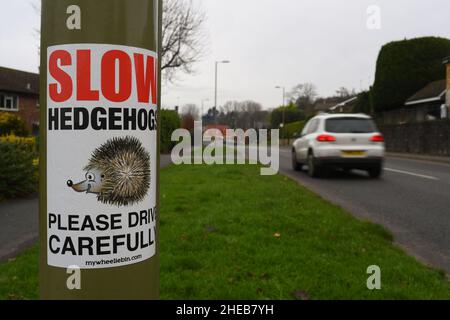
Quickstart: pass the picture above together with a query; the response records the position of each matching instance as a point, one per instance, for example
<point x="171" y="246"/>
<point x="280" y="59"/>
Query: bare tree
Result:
<point x="343" y="92"/>
<point x="192" y="110"/>
<point x="303" y="94"/>
<point x="244" y="114"/>
<point x="183" y="38"/>
<point x="184" y="41"/>
<point x="230" y="106"/>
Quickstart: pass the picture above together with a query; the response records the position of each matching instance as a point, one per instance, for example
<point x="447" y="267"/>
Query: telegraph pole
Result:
<point x="100" y="99"/>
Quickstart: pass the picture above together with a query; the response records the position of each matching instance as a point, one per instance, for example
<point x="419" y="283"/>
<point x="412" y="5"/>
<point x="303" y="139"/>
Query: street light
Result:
<point x="215" y="91"/>
<point x="284" y="98"/>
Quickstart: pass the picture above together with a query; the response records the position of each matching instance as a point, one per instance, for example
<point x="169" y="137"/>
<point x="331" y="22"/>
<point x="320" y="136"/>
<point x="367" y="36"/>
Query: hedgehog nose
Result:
<point x="69" y="183"/>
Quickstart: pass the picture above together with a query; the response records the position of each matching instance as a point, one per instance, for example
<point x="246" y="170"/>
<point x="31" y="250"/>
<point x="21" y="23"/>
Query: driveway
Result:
<point x="19" y="222"/>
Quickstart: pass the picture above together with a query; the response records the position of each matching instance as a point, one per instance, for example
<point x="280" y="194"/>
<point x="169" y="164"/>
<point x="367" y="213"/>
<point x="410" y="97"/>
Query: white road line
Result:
<point x="412" y="174"/>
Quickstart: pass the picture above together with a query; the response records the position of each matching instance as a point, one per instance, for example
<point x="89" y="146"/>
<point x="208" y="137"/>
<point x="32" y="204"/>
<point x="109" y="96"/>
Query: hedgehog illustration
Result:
<point x="118" y="172"/>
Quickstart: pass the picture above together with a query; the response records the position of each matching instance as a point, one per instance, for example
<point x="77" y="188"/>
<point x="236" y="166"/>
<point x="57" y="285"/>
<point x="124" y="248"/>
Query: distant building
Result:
<point x="347" y="106"/>
<point x="333" y="104"/>
<point x="19" y="94"/>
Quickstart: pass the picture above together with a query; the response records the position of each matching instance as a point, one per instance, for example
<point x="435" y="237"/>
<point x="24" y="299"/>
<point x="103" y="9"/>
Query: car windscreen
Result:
<point x="350" y="125"/>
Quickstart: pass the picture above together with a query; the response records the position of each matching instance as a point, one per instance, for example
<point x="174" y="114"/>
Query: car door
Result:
<point x="299" y="142"/>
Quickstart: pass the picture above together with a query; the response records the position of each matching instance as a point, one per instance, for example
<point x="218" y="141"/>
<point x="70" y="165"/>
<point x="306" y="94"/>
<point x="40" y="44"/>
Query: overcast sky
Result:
<point x="269" y="42"/>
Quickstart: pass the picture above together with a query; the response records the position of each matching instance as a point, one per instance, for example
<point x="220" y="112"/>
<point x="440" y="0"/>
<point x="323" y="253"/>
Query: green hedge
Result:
<point x="170" y="121"/>
<point x="18" y="169"/>
<point x="28" y="144"/>
<point x="404" y="67"/>
<point x="12" y="124"/>
<point x="363" y="103"/>
<point x="290" y="129"/>
<point x="291" y="114"/>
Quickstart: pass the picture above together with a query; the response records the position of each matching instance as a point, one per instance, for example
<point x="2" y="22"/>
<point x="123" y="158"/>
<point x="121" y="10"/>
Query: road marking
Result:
<point x="412" y="174"/>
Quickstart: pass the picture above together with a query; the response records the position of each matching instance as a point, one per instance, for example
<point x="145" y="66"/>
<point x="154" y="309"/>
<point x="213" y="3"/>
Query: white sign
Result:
<point x="101" y="155"/>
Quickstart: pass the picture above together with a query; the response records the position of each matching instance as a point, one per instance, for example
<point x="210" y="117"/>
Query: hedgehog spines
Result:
<point x="125" y="166"/>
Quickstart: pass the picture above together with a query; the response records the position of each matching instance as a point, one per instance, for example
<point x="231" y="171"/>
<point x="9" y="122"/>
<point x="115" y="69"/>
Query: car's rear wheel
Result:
<point x="295" y="164"/>
<point x="376" y="171"/>
<point x="314" y="170"/>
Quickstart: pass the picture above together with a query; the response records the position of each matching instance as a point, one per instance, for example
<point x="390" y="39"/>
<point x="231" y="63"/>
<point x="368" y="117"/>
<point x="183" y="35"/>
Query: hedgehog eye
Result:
<point x="90" y="176"/>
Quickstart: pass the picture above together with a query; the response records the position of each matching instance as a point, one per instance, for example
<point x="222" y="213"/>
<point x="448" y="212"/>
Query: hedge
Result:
<point x="12" y="124"/>
<point x="291" y="114"/>
<point x="18" y="168"/>
<point x="28" y="144"/>
<point x="170" y="121"/>
<point x="404" y="67"/>
<point x="363" y="103"/>
<point x="290" y="129"/>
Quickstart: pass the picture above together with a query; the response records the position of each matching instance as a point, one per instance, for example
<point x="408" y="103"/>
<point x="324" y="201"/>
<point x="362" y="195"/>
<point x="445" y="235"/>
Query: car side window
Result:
<point x="314" y="126"/>
<point x="305" y="129"/>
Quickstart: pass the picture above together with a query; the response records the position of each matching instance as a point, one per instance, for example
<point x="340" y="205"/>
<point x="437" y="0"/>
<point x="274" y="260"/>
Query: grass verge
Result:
<point x="228" y="233"/>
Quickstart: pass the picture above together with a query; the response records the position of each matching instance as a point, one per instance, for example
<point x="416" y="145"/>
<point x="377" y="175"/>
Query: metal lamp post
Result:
<point x="87" y="48"/>
<point x="215" y="90"/>
<point x="284" y="98"/>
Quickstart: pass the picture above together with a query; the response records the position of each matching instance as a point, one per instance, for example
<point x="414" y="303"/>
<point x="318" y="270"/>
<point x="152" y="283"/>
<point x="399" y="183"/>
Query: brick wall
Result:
<point x="428" y="138"/>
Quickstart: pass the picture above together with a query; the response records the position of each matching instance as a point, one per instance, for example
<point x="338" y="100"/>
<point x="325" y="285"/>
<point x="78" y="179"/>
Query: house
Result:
<point x="333" y="104"/>
<point x="429" y="102"/>
<point x="447" y="87"/>
<point x="19" y="94"/>
<point x="432" y="102"/>
<point x="347" y="106"/>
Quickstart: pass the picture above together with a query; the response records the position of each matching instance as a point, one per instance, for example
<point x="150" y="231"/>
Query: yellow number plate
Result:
<point x="353" y="153"/>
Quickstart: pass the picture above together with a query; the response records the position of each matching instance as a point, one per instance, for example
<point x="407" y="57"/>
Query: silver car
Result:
<point x="347" y="141"/>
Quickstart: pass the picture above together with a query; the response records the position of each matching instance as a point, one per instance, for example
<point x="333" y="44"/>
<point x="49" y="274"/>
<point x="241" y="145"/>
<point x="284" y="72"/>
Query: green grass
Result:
<point x="228" y="233"/>
<point x="19" y="277"/>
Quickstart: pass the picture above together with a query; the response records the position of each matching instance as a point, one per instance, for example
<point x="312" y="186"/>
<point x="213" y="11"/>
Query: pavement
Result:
<point x="412" y="200"/>
<point x="19" y="222"/>
<point x="19" y="226"/>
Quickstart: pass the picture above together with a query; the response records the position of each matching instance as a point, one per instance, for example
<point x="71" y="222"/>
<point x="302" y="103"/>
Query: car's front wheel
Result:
<point x="314" y="170"/>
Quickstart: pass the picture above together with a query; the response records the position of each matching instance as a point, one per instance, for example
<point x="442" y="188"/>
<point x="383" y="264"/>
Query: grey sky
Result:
<point x="270" y="42"/>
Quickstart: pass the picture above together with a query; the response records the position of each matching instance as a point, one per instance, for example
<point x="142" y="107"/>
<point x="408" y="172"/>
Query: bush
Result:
<point x="28" y="144"/>
<point x="291" y="129"/>
<point x="291" y="114"/>
<point x="170" y="121"/>
<point x="18" y="172"/>
<point x="363" y="103"/>
<point x="404" y="67"/>
<point x="12" y="124"/>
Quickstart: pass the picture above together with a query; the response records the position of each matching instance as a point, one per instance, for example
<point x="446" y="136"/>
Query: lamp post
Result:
<point x="81" y="257"/>
<point x="284" y="98"/>
<point x="215" y="90"/>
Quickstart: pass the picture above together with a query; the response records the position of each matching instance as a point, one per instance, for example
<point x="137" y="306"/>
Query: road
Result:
<point x="412" y="200"/>
<point x="19" y="227"/>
